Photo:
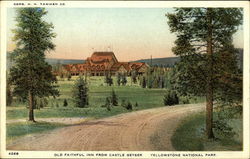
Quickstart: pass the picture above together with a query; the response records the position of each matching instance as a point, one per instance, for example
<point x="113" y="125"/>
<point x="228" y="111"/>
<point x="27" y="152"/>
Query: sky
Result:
<point x="131" y="33"/>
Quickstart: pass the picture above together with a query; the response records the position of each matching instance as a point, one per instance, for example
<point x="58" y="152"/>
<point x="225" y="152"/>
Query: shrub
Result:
<point x="108" y="79"/>
<point x="144" y="82"/>
<point x="108" y="104"/>
<point x="119" y="79"/>
<point x="113" y="98"/>
<point x="9" y="94"/>
<point x="136" y="104"/>
<point x="170" y="98"/>
<point x="65" y="103"/>
<point x="134" y="76"/>
<point x="185" y="100"/>
<point x="124" y="80"/>
<point x="129" y="106"/>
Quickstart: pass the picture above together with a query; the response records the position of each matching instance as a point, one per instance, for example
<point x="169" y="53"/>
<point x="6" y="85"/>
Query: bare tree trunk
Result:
<point x="209" y="94"/>
<point x="31" y="107"/>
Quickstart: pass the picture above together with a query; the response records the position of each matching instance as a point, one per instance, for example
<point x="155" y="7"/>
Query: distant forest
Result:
<point x="166" y="61"/>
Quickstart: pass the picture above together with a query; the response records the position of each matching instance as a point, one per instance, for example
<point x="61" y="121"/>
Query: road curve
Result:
<point x="126" y="132"/>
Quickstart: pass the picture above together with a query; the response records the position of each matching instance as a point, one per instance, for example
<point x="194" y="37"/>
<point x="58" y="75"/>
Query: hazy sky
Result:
<point x="132" y="33"/>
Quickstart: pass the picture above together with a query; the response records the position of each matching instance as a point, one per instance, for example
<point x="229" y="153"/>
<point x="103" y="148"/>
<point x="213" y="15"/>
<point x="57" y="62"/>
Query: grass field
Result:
<point x="98" y="91"/>
<point x="19" y="129"/>
<point x="190" y="136"/>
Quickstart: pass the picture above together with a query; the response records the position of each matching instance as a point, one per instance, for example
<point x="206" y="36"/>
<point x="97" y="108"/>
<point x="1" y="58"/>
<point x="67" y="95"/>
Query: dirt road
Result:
<point x="125" y="132"/>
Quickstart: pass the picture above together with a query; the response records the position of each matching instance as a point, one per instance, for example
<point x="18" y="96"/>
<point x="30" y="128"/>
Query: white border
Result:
<point x="130" y="4"/>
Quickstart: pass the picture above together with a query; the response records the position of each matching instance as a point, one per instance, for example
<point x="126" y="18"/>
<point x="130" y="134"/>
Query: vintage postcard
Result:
<point x="124" y="79"/>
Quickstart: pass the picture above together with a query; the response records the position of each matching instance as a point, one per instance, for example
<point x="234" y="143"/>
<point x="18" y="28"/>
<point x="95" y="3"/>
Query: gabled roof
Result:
<point x="101" y="57"/>
<point x="116" y="66"/>
<point x="136" y="65"/>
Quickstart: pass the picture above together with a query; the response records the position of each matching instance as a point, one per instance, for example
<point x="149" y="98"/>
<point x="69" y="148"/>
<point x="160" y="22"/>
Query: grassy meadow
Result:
<point x="98" y="91"/>
<point x="190" y="135"/>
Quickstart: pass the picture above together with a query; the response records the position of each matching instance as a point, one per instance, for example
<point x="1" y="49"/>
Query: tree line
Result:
<point x="204" y="43"/>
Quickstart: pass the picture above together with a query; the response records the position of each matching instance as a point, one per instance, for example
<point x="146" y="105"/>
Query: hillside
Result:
<point x="166" y="61"/>
<point x="63" y="61"/>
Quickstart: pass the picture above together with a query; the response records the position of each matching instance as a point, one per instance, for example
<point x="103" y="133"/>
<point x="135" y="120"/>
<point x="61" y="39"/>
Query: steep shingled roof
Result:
<point x="99" y="57"/>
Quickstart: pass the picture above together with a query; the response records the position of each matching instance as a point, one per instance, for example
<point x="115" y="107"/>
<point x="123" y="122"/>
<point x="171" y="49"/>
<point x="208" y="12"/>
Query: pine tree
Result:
<point x="129" y="106"/>
<point x="134" y="76"/>
<point x="9" y="93"/>
<point x="203" y="34"/>
<point x="118" y="79"/>
<point x="124" y="80"/>
<point x="31" y="75"/>
<point x="144" y="82"/>
<point x="136" y="104"/>
<point x="80" y="93"/>
<point x="108" y="104"/>
<point x="65" y="103"/>
<point x="170" y="98"/>
<point x="108" y="79"/>
<point x="113" y="98"/>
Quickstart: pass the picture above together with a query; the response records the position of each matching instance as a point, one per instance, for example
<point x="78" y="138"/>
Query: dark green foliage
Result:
<point x="208" y="65"/>
<point x="108" y="79"/>
<point x="144" y="82"/>
<point x="80" y="93"/>
<point x="129" y="106"/>
<point x="9" y="95"/>
<point x="113" y="98"/>
<point x="65" y="103"/>
<point x="31" y="74"/>
<point x="134" y="76"/>
<point x="170" y="98"/>
<point x="108" y="104"/>
<point x="154" y="78"/>
<point x="136" y="104"/>
<point x="124" y="80"/>
<point x="190" y="26"/>
<point x="69" y="76"/>
<point x="185" y="100"/>
<point x="119" y="79"/>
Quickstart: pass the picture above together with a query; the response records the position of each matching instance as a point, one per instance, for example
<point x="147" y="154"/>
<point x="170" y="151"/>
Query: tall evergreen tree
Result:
<point x="134" y="76"/>
<point x="31" y="75"/>
<point x="203" y="34"/>
<point x="124" y="80"/>
<point x="80" y="93"/>
<point x="108" y="79"/>
<point x="113" y="98"/>
<point x="9" y="94"/>
<point x="118" y="76"/>
<point x="144" y="82"/>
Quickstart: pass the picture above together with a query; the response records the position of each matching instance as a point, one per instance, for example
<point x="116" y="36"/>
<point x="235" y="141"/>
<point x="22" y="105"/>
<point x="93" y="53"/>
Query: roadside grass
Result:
<point x="190" y="136"/>
<point x="15" y="130"/>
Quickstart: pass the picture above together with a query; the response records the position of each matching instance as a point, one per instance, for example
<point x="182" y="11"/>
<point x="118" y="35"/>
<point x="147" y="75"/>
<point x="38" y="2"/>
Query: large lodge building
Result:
<point x="101" y="63"/>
